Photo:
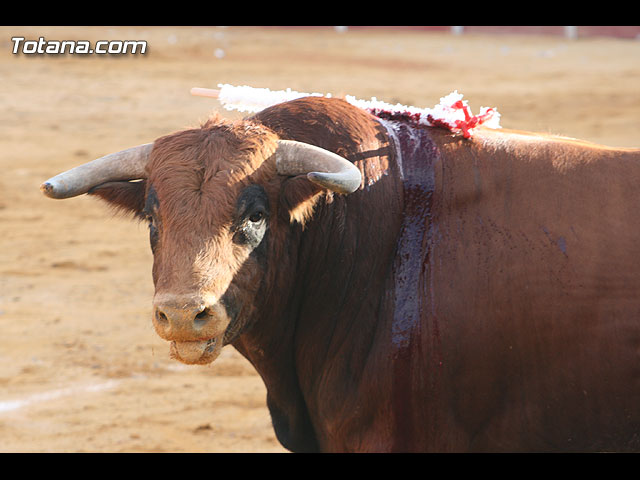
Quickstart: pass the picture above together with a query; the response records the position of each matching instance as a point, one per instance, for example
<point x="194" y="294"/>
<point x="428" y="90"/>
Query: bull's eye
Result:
<point x="256" y="217"/>
<point x="153" y="233"/>
<point x="252" y="216"/>
<point x="151" y="206"/>
<point x="151" y="222"/>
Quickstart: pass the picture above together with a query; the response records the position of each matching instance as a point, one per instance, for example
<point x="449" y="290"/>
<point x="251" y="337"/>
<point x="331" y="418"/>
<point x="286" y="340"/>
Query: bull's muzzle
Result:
<point x="194" y="325"/>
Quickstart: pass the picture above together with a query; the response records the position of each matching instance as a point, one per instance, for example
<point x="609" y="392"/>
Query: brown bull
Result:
<point x="469" y="295"/>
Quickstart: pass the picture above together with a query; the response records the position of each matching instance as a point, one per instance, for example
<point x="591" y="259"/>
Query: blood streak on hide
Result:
<point x="413" y="315"/>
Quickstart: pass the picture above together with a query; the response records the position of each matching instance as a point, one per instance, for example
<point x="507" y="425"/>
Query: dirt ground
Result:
<point x="81" y="369"/>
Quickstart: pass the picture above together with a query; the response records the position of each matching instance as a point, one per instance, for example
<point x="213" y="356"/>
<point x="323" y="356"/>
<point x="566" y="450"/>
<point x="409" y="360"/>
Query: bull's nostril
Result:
<point x="202" y="317"/>
<point x="161" y="317"/>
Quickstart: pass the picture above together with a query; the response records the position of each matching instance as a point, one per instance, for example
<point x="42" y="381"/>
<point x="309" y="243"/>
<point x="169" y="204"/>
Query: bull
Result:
<point x="397" y="287"/>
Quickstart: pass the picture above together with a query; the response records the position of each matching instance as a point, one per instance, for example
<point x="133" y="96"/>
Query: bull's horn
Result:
<point x="321" y="166"/>
<point x="125" y="165"/>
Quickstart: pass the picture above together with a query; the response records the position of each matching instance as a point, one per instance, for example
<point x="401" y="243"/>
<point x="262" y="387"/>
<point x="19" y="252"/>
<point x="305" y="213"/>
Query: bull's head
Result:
<point x="211" y="195"/>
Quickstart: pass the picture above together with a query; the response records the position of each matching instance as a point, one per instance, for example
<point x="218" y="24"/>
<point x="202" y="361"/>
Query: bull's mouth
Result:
<point x="199" y="352"/>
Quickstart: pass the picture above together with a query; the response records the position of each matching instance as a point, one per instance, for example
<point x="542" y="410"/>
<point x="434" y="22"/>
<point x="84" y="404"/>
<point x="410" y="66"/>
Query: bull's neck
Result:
<point x="354" y="271"/>
<point x="412" y="325"/>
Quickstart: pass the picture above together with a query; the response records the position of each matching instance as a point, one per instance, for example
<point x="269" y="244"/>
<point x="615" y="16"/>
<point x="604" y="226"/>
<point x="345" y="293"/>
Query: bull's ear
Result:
<point x="125" y="197"/>
<point x="298" y="199"/>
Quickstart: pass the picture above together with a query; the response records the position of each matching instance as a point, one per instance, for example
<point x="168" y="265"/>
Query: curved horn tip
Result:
<point x="58" y="190"/>
<point x="321" y="166"/>
<point x="46" y="188"/>
<point x="50" y="191"/>
<point x="344" y="186"/>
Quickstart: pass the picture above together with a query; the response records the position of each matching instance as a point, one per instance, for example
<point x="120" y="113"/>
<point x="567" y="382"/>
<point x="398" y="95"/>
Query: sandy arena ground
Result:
<point x="81" y="369"/>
